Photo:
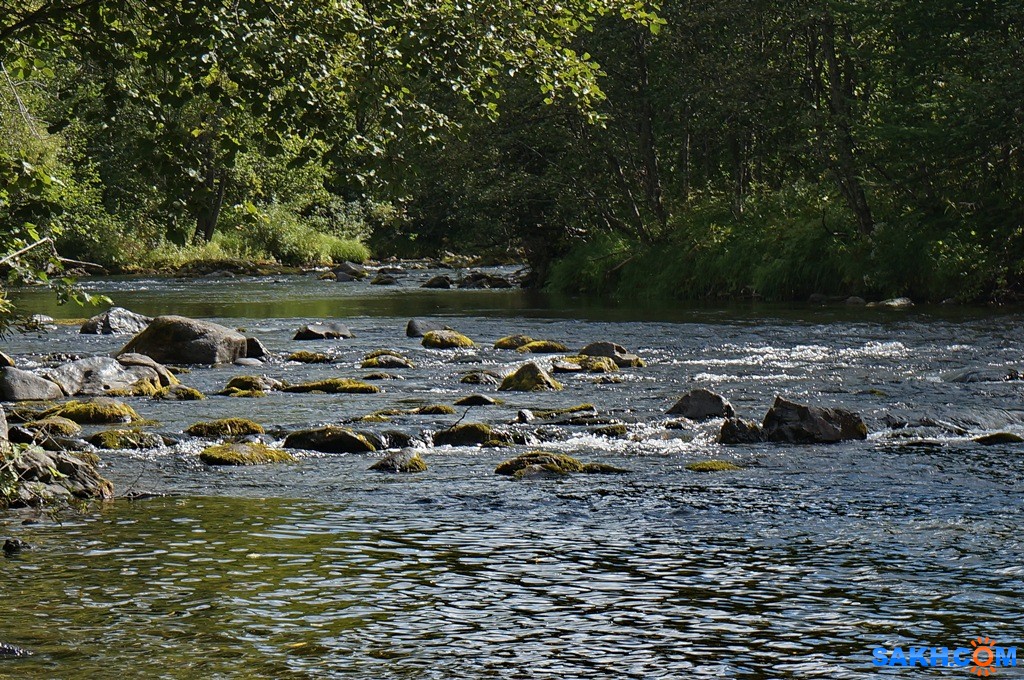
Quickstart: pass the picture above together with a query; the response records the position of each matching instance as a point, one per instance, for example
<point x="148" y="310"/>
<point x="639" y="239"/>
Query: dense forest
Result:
<point x="725" y="148"/>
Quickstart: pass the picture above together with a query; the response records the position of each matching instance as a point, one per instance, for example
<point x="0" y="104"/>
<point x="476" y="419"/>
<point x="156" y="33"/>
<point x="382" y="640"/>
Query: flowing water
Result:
<point x="796" y="566"/>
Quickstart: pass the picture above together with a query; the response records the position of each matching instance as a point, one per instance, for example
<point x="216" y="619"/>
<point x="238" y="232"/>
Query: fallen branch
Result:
<point x="24" y="250"/>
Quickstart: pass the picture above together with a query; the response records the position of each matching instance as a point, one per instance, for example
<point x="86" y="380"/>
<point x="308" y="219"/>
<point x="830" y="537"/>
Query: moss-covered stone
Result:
<point x="436" y="410"/>
<point x="529" y="378"/>
<point x="125" y="439"/>
<point x="542" y="347"/>
<point x="179" y="393"/>
<point x="387" y="360"/>
<point x="401" y="461"/>
<point x="593" y="364"/>
<point x="225" y="427"/>
<point x="329" y="439"/>
<point x="382" y="376"/>
<point x="712" y="466"/>
<point x="559" y="412"/>
<point x="54" y="426"/>
<point x="304" y="357"/>
<point x="243" y="394"/>
<point x="603" y="469"/>
<point x="465" y="434"/>
<point x="98" y="411"/>
<point x="999" y="438"/>
<point x="244" y="454"/>
<point x="558" y="463"/>
<point x="142" y="388"/>
<point x="27" y="411"/>
<point x="481" y="378"/>
<point x="478" y="400"/>
<point x="618" y="430"/>
<point x="375" y="418"/>
<point x="446" y="340"/>
<point x="513" y="341"/>
<point x="334" y="386"/>
<point x="260" y="383"/>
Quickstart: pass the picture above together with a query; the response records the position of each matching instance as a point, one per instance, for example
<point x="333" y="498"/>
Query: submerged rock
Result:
<point x="617" y="353"/>
<point x="178" y="339"/>
<point x="529" y="378"/>
<point x="304" y="357"/>
<point x="446" y="340"/>
<point x="712" y="466"/>
<point x="401" y="461"/>
<point x="244" y="453"/>
<point x="787" y="421"/>
<point x="115" y="321"/>
<point x="334" y="386"/>
<point x="329" y="439"/>
<point x="999" y="438"/>
<point x="323" y="331"/>
<point x="19" y="385"/>
<point x="702" y="404"/>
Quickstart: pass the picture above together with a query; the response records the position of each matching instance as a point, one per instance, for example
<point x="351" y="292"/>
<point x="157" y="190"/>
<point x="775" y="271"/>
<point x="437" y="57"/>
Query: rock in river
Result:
<point x="619" y="354"/>
<point x="116" y="321"/>
<point x="529" y="378"/>
<point x="787" y="421"/>
<point x="702" y="404"/>
<point x="323" y="331"/>
<point x="19" y="385"/>
<point x="407" y="460"/>
<point x="178" y="339"/>
<point x="329" y="439"/>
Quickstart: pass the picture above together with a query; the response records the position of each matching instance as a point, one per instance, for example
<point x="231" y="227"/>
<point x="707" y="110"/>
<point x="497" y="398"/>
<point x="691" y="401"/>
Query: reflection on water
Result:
<point x="796" y="566"/>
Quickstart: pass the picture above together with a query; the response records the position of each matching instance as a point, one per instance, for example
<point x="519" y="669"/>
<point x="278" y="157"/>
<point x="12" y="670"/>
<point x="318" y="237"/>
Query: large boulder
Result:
<point x="617" y="353"/>
<point x="324" y="331"/>
<point x="329" y="439"/>
<point x="529" y="378"/>
<point x="116" y="321"/>
<point x="49" y="476"/>
<point x="19" y="385"/>
<point x="98" y="375"/>
<point x="702" y="404"/>
<point x="178" y="339"/>
<point x="787" y="421"/>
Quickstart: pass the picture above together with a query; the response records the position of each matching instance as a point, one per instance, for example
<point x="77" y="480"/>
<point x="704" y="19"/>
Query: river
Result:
<point x="798" y="565"/>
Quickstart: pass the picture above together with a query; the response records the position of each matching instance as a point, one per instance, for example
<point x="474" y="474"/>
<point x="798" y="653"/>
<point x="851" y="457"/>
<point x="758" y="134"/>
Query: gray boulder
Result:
<point x="47" y="476"/>
<point x="351" y="269"/>
<point x="702" y="404"/>
<point x="98" y="375"/>
<point x="739" y="431"/>
<point x="417" y="328"/>
<point x="254" y="349"/>
<point x="19" y="385"/>
<point x="116" y="321"/>
<point x="793" y="423"/>
<point x="323" y="331"/>
<point x="178" y="339"/>
<point x="132" y="361"/>
<point x="617" y="353"/>
<point x="407" y="460"/>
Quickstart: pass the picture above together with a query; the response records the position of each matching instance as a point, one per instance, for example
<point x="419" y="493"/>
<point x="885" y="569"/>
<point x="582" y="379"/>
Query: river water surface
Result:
<point x="796" y="566"/>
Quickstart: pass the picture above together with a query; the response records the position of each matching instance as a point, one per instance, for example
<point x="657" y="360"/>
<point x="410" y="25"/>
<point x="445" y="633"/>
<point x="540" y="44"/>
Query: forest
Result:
<point x="725" y="149"/>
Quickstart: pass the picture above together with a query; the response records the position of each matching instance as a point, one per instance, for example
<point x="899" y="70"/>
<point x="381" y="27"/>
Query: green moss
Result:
<point x="712" y="466"/>
<point x="529" y="378"/>
<point x="383" y="353"/>
<point x="554" y="462"/>
<point x="143" y="388"/>
<point x="304" y="357"/>
<point x="446" y="340"/>
<point x="27" y="411"/>
<point x="556" y="412"/>
<point x="401" y="462"/>
<point x="436" y="410"/>
<point x="249" y="383"/>
<point x="335" y="386"/>
<point x="95" y="411"/>
<point x="542" y="347"/>
<point x="466" y="434"/>
<point x="375" y="418"/>
<point x="603" y="469"/>
<point x="513" y="342"/>
<point x="125" y="439"/>
<point x="478" y="400"/>
<point x="244" y="454"/>
<point x="329" y="439"/>
<point x="225" y="427"/>
<point x="55" y="426"/>
<point x="388" y="360"/>
<point x="611" y="431"/>
<point x="593" y="364"/>
<point x="179" y="393"/>
<point x="244" y="394"/>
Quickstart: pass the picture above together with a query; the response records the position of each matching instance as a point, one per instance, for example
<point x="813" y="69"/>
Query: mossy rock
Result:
<point x="478" y="400"/>
<point x="225" y="427"/>
<point x="304" y="357"/>
<point x="243" y="394"/>
<point x="593" y="364"/>
<point x="143" y="388"/>
<point x="125" y="439"/>
<point x="252" y="383"/>
<point x="335" y="386"/>
<point x="513" y="341"/>
<point x="558" y="463"/>
<point x="388" y="360"/>
<point x="436" y="410"/>
<point x="375" y="418"/>
<point x="382" y="376"/>
<point x="465" y="434"/>
<point x="529" y="378"/>
<point x="712" y="466"/>
<point x="618" y="430"/>
<point x="481" y="378"/>
<point x="446" y="340"/>
<point x="999" y="438"/>
<point x="27" y="411"/>
<point x="603" y="469"/>
<point x="542" y="347"/>
<point x="98" y="411"/>
<point x="400" y="461"/>
<point x="179" y="393"/>
<point x="558" y="412"/>
<point x="329" y="439"/>
<point x="244" y="454"/>
<point x="54" y="426"/>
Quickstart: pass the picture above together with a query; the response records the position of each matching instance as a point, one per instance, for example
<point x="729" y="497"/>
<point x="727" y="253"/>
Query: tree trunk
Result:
<point x="648" y="150"/>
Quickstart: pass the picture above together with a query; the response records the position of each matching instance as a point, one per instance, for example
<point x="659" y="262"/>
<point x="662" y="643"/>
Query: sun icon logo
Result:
<point x="983" y="656"/>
